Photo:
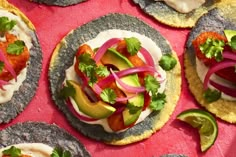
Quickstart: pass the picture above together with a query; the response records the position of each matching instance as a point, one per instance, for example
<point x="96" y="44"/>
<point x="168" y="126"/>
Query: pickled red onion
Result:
<point x="147" y="56"/>
<point x="216" y="67"/>
<point x="7" y="65"/>
<point x="229" y="55"/>
<point x="2" y="83"/>
<point x="127" y="87"/>
<point x="100" y="52"/>
<point x="227" y="90"/>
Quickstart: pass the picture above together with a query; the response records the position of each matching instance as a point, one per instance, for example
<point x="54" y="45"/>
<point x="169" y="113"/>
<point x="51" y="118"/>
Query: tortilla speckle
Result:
<point x="62" y="3"/>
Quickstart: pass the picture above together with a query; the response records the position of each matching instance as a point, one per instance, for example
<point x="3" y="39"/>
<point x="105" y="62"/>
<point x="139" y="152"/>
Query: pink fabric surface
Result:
<point x="53" y="23"/>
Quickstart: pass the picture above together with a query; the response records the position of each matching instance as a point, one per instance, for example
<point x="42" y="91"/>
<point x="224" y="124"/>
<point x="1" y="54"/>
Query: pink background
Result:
<point x="53" y="23"/>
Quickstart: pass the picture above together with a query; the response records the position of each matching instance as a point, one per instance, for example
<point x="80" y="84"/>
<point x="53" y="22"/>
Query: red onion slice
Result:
<point x="7" y="64"/>
<point x="127" y="87"/>
<point x="227" y="90"/>
<point x="229" y="55"/>
<point x="147" y="56"/>
<point x="217" y="67"/>
<point x="3" y="83"/>
<point x="100" y="52"/>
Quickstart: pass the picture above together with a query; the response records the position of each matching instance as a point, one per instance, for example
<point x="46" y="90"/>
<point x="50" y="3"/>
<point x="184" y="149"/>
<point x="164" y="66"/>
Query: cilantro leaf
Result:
<point x="16" y="48"/>
<point x="108" y="95"/>
<point x="132" y="108"/>
<point x="67" y="91"/>
<point x="59" y="152"/>
<point x="167" y="62"/>
<point x="1" y="66"/>
<point x="211" y="95"/>
<point x="12" y="152"/>
<point x="151" y="84"/>
<point x="158" y="101"/>
<point x="232" y="43"/>
<point x="6" y="24"/>
<point x="133" y="45"/>
<point x="213" y="48"/>
<point x="102" y="71"/>
<point x="88" y="66"/>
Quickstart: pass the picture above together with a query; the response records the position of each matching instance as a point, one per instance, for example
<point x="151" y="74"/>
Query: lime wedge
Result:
<point x="204" y="122"/>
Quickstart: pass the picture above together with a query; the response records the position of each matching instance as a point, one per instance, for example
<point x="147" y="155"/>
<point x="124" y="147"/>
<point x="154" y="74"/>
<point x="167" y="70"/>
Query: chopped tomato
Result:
<point x="18" y="62"/>
<point x="227" y="73"/>
<point x="201" y="39"/>
<point x="116" y="122"/>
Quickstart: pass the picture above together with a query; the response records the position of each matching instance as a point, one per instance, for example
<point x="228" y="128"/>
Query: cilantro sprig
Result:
<point x="213" y="48"/>
<point x="1" y="66"/>
<point x="157" y="99"/>
<point x="12" y="152"/>
<point x="133" y="45"/>
<point x="16" y="48"/>
<point x="6" y="24"/>
<point x="211" y="95"/>
<point x="108" y="95"/>
<point x="89" y="67"/>
<point x="59" y="152"/>
<point x="167" y="62"/>
<point x="232" y="43"/>
<point x="132" y="108"/>
<point x="67" y="91"/>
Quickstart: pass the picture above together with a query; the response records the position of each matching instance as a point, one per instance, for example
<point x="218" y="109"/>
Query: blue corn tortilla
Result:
<point x="39" y="132"/>
<point x="167" y="15"/>
<point x="62" y="3"/>
<point x="216" y="20"/>
<point x="63" y="57"/>
<point x="23" y="96"/>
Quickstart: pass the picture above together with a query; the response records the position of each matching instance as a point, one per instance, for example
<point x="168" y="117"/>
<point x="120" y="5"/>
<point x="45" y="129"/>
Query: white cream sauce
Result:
<point x="22" y="32"/>
<point x="146" y="42"/>
<point x="33" y="149"/>
<point x="184" y="6"/>
<point x="202" y="71"/>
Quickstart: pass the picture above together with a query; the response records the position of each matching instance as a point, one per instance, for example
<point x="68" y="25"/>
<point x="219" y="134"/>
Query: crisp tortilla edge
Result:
<point x="223" y="109"/>
<point x="11" y="8"/>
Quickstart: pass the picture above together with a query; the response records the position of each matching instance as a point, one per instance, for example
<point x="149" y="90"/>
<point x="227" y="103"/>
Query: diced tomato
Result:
<point x="116" y="122"/>
<point x="227" y="73"/>
<point x="201" y="39"/>
<point x="18" y="62"/>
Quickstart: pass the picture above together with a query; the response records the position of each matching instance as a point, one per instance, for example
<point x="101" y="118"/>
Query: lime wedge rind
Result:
<point x="204" y="122"/>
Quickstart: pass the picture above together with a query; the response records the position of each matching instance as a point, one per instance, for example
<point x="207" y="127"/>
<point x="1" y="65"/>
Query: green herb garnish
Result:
<point x="151" y="84"/>
<point x="167" y="62"/>
<point x="102" y="71"/>
<point x="133" y="45"/>
<point x="211" y="95"/>
<point x="12" y="152"/>
<point x="132" y="108"/>
<point x="67" y="91"/>
<point x="158" y="101"/>
<point x="1" y="66"/>
<point x="213" y="48"/>
<point x="108" y="95"/>
<point x="232" y="43"/>
<point x="59" y="152"/>
<point x="16" y="48"/>
<point x="6" y="24"/>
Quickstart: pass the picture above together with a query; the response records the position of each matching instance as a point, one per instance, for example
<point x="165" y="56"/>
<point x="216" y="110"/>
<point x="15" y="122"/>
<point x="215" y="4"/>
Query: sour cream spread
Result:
<point x="146" y="42"/>
<point x="202" y="71"/>
<point x="22" y="32"/>
<point x="184" y="6"/>
<point x="32" y="149"/>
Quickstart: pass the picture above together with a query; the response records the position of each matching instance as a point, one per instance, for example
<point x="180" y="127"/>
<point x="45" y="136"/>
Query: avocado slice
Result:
<point x="229" y="34"/>
<point x="113" y="57"/>
<point x="97" y="110"/>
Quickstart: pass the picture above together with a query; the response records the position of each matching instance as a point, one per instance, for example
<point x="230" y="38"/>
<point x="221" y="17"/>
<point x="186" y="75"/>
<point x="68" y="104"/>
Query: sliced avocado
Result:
<point x="97" y="110"/>
<point x="229" y="34"/>
<point x="113" y="57"/>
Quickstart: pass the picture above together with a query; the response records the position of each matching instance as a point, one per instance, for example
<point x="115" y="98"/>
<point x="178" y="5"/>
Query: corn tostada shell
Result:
<point x="23" y="96"/>
<point x="62" y="3"/>
<point x="216" y="20"/>
<point x="39" y="132"/>
<point x="62" y="59"/>
<point x="167" y="15"/>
